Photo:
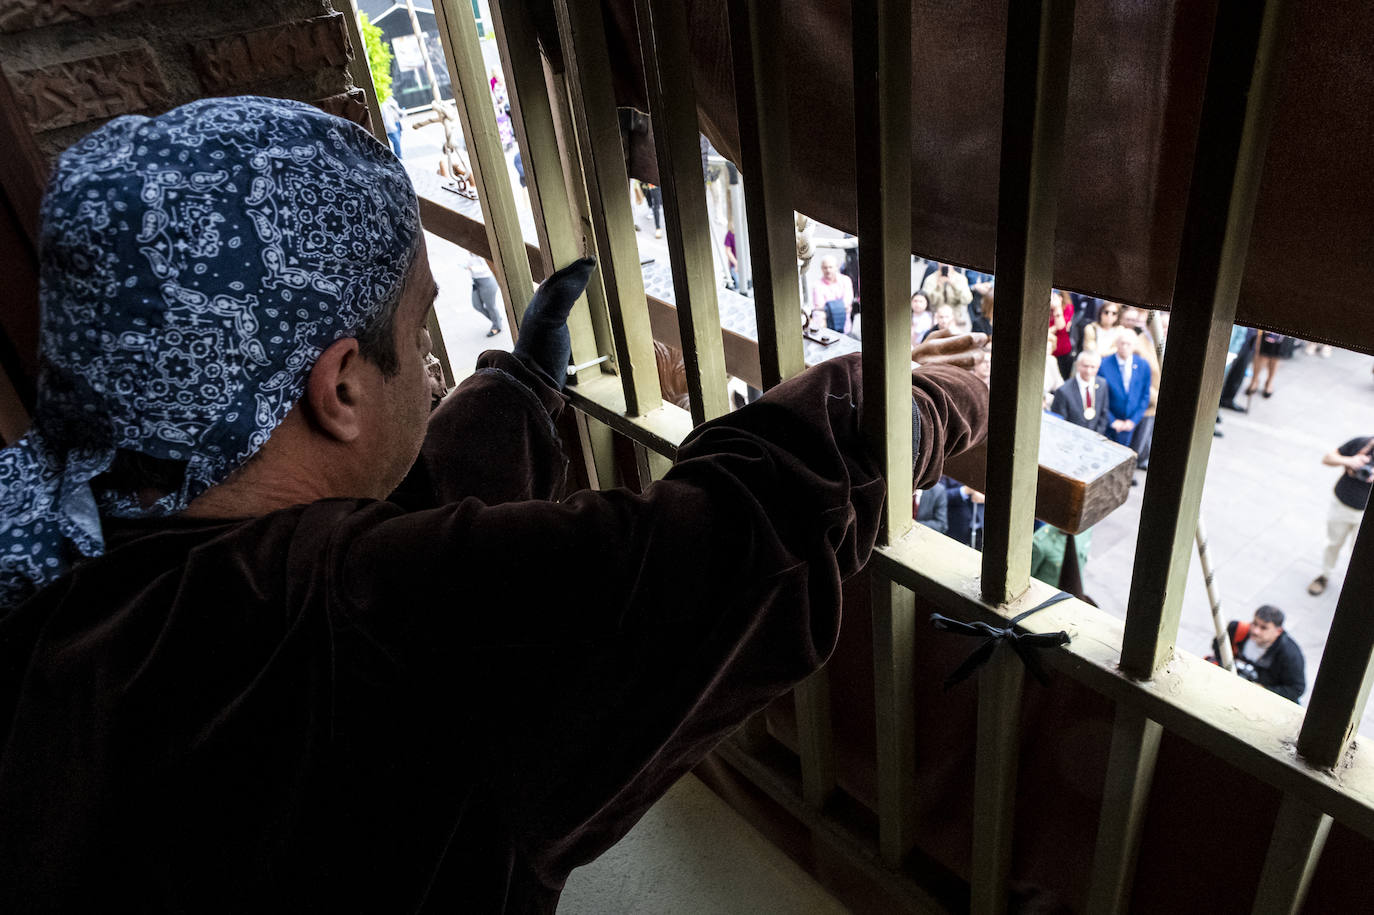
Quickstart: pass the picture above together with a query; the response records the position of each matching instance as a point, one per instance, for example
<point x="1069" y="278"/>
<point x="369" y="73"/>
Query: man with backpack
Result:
<point x="1267" y="655"/>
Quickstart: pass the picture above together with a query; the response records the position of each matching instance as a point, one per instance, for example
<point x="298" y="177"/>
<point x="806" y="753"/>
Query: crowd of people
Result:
<point x="1102" y="372"/>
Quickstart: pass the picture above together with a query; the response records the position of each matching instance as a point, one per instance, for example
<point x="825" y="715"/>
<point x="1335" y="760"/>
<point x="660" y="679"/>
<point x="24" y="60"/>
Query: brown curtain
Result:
<point x="1138" y="72"/>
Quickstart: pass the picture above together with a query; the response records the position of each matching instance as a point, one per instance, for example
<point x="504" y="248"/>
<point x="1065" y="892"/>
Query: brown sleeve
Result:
<point x="491" y="439"/>
<point x="953" y="404"/>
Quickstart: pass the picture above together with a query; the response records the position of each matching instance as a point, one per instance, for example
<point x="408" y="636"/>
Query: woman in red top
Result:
<point x="1061" y="315"/>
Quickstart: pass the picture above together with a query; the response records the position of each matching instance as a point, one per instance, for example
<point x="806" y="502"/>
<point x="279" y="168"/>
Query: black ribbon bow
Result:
<point x="1023" y="643"/>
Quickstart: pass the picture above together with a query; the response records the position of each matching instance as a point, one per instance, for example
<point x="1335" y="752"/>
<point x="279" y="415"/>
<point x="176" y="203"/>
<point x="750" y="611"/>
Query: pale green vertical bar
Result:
<point x="468" y="73"/>
<point x="894" y="641"/>
<point x="1237" y="110"/>
<point x="1346" y="671"/>
<point x="1125" y="798"/>
<point x="816" y="737"/>
<point x="760" y="68"/>
<point x="583" y="38"/>
<point x="1034" y="101"/>
<point x="532" y="114"/>
<point x="761" y="88"/>
<point x="663" y="40"/>
<point x="575" y="180"/>
<point x="994" y="779"/>
<point x="882" y="126"/>
<point x="1299" y="836"/>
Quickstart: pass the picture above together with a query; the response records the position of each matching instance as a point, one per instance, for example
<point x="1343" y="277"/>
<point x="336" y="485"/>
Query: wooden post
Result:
<point x="1034" y="99"/>
<point x="1130" y="772"/>
<point x="994" y="779"/>
<point x="1237" y="110"/>
<point x="1346" y="671"/>
<point x="583" y="37"/>
<point x="882" y="127"/>
<point x="1299" y="836"/>
<point x="532" y="115"/>
<point x="760" y="68"/>
<point x="894" y="638"/>
<point x="468" y="74"/>
<point x="663" y="39"/>
<point x="574" y="175"/>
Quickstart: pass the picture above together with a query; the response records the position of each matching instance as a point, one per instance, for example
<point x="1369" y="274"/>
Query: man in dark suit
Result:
<point x="929" y="508"/>
<point x="964" y="507"/>
<point x="1082" y="400"/>
<point x="1128" y="389"/>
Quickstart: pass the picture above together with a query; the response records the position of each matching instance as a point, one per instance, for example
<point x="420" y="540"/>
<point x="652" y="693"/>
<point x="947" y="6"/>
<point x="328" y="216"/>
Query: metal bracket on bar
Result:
<point x="574" y="369"/>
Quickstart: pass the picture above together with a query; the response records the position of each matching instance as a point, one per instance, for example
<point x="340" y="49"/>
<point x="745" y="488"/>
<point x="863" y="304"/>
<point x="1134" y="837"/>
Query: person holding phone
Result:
<point x="948" y="286"/>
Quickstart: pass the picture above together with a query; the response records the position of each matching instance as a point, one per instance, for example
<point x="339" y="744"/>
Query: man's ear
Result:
<point x="334" y="391"/>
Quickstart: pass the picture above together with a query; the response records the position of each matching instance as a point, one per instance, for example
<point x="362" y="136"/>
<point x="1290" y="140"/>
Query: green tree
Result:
<point x="378" y="57"/>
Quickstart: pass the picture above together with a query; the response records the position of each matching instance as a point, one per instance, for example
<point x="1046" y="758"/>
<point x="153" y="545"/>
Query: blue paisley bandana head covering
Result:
<point x="193" y="267"/>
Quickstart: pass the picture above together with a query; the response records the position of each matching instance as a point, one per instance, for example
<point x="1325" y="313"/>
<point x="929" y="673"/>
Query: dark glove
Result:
<point x="544" y="343"/>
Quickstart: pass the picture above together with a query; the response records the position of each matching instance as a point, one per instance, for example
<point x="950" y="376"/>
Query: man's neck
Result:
<point x="253" y="498"/>
<point x="291" y="469"/>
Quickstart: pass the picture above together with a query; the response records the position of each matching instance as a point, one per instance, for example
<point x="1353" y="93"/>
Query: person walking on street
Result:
<point x="1348" y="500"/>
<point x="391" y="118"/>
<point x="484" y="291"/>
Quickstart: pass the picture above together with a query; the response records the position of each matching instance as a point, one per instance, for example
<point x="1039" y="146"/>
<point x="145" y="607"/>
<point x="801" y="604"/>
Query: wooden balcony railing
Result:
<point x="567" y="129"/>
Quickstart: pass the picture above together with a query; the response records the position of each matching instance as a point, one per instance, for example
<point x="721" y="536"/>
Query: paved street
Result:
<point x="1264" y="507"/>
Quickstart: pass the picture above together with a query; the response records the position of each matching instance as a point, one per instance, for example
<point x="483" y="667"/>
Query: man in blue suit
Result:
<point x="1128" y="389"/>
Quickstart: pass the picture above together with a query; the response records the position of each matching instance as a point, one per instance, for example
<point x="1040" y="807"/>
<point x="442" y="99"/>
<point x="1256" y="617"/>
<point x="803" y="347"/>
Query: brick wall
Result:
<point x="74" y="64"/>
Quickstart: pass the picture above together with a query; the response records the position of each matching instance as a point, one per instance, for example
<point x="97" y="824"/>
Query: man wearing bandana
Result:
<point x="239" y="673"/>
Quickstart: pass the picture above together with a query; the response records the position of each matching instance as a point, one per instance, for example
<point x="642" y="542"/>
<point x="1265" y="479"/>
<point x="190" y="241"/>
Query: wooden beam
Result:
<point x="574" y="177"/>
<point x="815" y="737"/>
<point x="360" y="71"/>
<point x="583" y="37"/>
<point x="1082" y="477"/>
<point x="532" y="117"/>
<point x="1125" y="797"/>
<point x="761" y="88"/>
<point x="882" y="128"/>
<point x="1035" y="92"/>
<point x="603" y="398"/>
<point x="1237" y="110"/>
<point x="667" y="52"/>
<point x="1346" y="671"/>
<point x="894" y="641"/>
<point x="468" y="73"/>
<point x="1252" y="729"/>
<point x="1299" y="836"/>
<point x="994" y="779"/>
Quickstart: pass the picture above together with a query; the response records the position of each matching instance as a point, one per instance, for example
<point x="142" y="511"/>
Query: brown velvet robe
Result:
<point x="352" y="706"/>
